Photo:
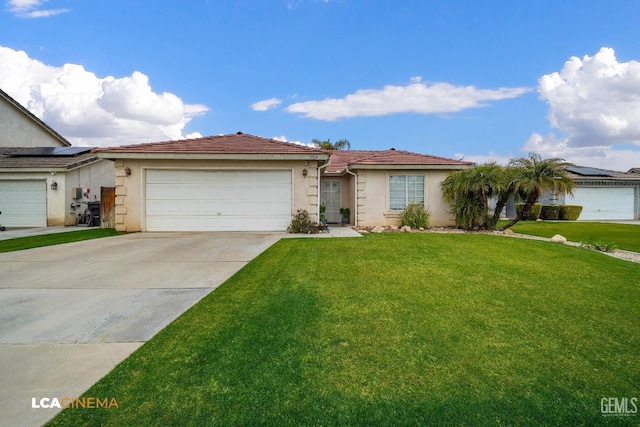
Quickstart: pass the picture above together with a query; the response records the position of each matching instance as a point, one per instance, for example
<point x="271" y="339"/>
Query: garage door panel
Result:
<point x="186" y="200"/>
<point x="23" y="203"/>
<point x="607" y="203"/>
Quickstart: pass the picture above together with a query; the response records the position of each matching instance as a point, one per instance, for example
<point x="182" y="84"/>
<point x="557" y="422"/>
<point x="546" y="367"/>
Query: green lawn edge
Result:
<point x="624" y="236"/>
<point x="30" y="242"/>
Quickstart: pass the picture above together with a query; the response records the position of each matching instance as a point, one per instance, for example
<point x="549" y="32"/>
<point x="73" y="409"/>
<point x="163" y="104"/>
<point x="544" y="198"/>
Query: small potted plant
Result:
<point x="346" y="215"/>
<point x="323" y="219"/>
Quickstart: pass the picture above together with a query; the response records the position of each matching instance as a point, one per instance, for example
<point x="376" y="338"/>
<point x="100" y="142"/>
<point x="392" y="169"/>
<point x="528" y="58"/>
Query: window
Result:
<point x="405" y="189"/>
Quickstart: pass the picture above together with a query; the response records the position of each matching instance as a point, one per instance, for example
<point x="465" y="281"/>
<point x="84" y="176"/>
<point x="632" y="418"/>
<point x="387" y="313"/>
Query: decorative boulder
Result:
<point x="508" y="232"/>
<point x="377" y="229"/>
<point x="405" y="229"/>
<point x="559" y="239"/>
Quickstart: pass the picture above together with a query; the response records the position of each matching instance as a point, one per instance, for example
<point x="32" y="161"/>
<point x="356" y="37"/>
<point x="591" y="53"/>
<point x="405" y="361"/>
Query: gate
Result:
<point x="108" y="207"/>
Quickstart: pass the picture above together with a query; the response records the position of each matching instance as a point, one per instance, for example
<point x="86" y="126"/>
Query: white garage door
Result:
<point x="613" y="203"/>
<point x="23" y="203"/>
<point x="205" y="200"/>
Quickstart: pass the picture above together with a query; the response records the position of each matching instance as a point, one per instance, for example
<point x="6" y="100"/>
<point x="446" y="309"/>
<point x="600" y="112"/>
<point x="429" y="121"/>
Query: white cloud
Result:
<point x="595" y="105"/>
<point x="89" y="110"/>
<point x="265" y="105"/>
<point x="416" y="97"/>
<point x="601" y="156"/>
<point x="31" y="9"/>
<point x="284" y="139"/>
<point x="595" y="100"/>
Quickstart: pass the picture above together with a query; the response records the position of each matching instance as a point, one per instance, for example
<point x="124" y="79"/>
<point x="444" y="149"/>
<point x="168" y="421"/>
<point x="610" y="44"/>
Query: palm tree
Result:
<point x="328" y="145"/>
<point x="469" y="191"/>
<point x="533" y="175"/>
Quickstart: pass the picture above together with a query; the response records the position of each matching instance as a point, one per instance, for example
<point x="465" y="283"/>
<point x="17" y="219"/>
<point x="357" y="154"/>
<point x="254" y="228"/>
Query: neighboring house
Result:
<point x="40" y="171"/>
<point x="603" y="194"/>
<point x="244" y="182"/>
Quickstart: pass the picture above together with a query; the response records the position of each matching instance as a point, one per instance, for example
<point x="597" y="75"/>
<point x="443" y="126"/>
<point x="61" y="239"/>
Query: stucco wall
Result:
<point x="20" y="130"/>
<point x="93" y="176"/>
<point x="129" y="189"/>
<point x="373" y="197"/>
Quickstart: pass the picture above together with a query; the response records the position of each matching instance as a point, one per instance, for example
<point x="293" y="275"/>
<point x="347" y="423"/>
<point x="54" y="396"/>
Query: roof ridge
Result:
<point x="35" y="118"/>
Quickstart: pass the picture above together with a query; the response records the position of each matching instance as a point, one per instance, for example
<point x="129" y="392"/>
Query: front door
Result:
<point x="331" y="198"/>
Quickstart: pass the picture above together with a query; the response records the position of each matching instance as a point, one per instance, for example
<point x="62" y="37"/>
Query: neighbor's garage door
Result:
<point x="201" y="200"/>
<point x="613" y="203"/>
<point x="23" y="203"/>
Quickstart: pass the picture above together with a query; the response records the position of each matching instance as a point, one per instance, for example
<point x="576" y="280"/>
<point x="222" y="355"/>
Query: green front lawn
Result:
<point x="30" y="242"/>
<point x="392" y="329"/>
<point x="625" y="236"/>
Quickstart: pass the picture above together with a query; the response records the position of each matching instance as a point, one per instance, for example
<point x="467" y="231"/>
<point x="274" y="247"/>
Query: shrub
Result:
<point x="601" y="246"/>
<point x="301" y="223"/>
<point x="550" y="212"/>
<point x="569" y="212"/>
<point x="534" y="213"/>
<point x="415" y="216"/>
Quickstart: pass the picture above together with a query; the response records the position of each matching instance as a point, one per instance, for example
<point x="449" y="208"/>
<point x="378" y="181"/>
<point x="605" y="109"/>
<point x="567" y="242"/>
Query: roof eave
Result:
<point x="210" y="156"/>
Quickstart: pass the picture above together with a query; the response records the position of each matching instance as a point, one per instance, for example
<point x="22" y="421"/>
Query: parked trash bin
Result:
<point x="94" y="207"/>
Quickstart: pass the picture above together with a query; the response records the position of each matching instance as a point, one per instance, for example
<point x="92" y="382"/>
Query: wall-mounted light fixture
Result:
<point x="127" y="171"/>
<point x="54" y="185"/>
<point x="304" y="172"/>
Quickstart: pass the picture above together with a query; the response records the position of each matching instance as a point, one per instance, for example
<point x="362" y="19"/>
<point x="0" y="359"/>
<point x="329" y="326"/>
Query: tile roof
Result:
<point x="238" y="143"/>
<point x="32" y="162"/>
<point x="340" y="159"/>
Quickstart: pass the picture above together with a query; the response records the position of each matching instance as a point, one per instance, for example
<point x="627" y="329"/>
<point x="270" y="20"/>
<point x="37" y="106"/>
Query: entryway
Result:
<point x="331" y="198"/>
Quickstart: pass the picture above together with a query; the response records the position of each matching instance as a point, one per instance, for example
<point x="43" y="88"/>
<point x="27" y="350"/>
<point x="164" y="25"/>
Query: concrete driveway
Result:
<point x="70" y="313"/>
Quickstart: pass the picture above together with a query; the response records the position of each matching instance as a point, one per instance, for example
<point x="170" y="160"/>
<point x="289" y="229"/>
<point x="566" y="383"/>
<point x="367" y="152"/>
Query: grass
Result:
<point x="624" y="236"/>
<point x="22" y="243"/>
<point x="392" y="329"/>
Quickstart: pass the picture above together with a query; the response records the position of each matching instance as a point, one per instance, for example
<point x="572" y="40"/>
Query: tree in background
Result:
<point x="342" y="144"/>
<point x="534" y="175"/>
<point x="470" y="190"/>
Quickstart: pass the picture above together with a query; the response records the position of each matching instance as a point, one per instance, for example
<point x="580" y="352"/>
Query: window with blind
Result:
<point x="405" y="189"/>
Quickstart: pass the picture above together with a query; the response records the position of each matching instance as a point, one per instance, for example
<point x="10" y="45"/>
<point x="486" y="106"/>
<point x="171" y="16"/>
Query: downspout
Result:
<point x="319" y="172"/>
<point x="355" y="206"/>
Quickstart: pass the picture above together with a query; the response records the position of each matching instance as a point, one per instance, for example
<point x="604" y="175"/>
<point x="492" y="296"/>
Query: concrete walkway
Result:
<point x="69" y="313"/>
<point x="334" y="231"/>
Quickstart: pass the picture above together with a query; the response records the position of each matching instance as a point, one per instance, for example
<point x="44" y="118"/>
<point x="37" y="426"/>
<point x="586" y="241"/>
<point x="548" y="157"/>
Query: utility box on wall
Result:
<point x="81" y="194"/>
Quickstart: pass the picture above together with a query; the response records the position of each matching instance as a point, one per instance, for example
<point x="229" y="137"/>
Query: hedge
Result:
<point x="550" y="212"/>
<point x="569" y="212"/>
<point x="534" y="213"/>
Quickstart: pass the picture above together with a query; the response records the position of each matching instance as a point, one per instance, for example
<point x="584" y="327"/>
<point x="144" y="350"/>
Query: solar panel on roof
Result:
<point x="51" y="152"/>
<point x="589" y="171"/>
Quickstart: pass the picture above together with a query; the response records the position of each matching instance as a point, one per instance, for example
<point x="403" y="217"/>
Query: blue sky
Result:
<point x="484" y="80"/>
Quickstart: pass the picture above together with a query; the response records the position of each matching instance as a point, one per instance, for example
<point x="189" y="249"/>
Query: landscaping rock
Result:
<point x="377" y="229"/>
<point x="405" y="229"/>
<point x="421" y="228"/>
<point x="508" y="232"/>
<point x="559" y="239"/>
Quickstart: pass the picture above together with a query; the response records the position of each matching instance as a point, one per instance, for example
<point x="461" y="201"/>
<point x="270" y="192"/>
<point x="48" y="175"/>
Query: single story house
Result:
<point x="244" y="182"/>
<point x="44" y="181"/>
<point x="603" y="194"/>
